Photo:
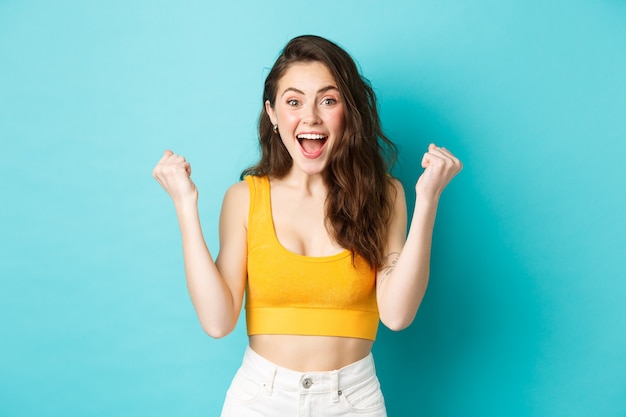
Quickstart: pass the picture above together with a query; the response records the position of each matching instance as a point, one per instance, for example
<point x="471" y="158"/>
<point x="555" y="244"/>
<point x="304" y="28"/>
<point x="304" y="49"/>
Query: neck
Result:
<point x="306" y="183"/>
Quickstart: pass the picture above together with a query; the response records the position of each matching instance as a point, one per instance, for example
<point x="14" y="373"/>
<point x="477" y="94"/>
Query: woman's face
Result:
<point x="309" y="112"/>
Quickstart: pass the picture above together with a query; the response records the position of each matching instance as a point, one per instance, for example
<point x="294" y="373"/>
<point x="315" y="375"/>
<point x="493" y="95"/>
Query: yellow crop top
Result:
<point x="289" y="293"/>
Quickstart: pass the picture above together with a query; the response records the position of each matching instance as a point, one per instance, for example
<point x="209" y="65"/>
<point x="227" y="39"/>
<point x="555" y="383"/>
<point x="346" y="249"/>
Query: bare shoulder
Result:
<point x="396" y="189"/>
<point x="398" y="219"/>
<point x="238" y="191"/>
<point x="236" y="202"/>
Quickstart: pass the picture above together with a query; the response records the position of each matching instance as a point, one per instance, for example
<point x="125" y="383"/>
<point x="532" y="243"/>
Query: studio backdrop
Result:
<point x="525" y="312"/>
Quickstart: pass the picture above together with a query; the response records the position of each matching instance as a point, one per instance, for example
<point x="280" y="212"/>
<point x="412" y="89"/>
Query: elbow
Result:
<point x="216" y="334"/>
<point x="397" y="323"/>
<point x="217" y="331"/>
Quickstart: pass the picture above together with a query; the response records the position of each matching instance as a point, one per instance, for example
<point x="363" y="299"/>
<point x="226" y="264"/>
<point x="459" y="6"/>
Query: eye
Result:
<point x="293" y="102"/>
<point x="329" y="101"/>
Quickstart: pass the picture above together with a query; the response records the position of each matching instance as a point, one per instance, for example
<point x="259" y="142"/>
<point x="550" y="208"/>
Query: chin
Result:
<point x="316" y="168"/>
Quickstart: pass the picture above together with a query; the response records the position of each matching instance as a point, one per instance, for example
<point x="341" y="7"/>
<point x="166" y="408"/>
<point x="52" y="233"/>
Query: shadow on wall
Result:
<point x="476" y="337"/>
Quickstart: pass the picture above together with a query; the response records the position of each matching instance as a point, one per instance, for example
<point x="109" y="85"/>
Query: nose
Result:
<point x="311" y="115"/>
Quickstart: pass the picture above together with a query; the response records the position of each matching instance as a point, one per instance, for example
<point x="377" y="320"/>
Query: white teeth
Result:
<point x="311" y="136"/>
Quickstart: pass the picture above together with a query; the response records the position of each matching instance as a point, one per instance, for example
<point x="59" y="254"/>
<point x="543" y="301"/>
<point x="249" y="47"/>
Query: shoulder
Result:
<point x="395" y="188"/>
<point x="237" y="194"/>
<point x="235" y="206"/>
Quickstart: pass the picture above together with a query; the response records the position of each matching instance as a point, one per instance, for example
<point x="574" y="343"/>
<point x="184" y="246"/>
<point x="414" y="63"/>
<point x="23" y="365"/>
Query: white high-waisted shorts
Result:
<point x="263" y="389"/>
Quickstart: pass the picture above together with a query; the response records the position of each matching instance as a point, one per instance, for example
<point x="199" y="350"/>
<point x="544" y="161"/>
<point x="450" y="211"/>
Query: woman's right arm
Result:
<point x="216" y="287"/>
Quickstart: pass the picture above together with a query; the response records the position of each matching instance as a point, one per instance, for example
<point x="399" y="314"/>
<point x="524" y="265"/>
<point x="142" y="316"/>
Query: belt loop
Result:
<point x="269" y="385"/>
<point x="334" y="386"/>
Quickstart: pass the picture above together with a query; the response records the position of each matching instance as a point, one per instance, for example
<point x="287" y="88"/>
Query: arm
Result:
<point x="402" y="281"/>
<point x="216" y="287"/>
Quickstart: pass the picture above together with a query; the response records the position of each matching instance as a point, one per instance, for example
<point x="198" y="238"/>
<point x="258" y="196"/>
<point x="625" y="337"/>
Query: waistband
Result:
<point x="272" y="376"/>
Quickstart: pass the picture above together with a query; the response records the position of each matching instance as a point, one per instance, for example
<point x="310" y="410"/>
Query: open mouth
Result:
<point x="312" y="143"/>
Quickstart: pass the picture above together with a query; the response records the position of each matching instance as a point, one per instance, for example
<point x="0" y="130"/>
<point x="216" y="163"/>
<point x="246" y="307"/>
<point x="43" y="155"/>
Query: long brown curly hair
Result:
<point x="360" y="199"/>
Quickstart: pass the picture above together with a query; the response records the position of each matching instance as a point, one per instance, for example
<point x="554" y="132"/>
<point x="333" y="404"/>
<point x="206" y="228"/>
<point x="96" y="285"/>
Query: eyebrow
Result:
<point x="321" y="90"/>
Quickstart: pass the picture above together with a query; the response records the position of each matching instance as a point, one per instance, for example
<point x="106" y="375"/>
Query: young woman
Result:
<point x="315" y="235"/>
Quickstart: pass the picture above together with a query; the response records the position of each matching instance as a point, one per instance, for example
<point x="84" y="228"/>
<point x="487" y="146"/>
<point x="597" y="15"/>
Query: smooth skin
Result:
<point x="308" y="101"/>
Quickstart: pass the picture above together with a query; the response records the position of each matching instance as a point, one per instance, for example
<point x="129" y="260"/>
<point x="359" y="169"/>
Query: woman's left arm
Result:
<point x="403" y="278"/>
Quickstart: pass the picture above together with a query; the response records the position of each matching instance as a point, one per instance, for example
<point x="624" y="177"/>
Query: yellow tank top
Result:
<point x="287" y="293"/>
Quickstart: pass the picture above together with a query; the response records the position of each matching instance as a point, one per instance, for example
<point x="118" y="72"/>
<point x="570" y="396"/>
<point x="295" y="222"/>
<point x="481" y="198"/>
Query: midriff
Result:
<point x="310" y="353"/>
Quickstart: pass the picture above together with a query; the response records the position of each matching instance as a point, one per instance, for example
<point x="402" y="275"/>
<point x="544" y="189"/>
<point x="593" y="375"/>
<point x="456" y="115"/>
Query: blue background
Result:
<point x="525" y="313"/>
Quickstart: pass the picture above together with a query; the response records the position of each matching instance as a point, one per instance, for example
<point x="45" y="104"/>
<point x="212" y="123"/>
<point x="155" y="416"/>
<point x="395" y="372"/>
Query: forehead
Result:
<point x="303" y="74"/>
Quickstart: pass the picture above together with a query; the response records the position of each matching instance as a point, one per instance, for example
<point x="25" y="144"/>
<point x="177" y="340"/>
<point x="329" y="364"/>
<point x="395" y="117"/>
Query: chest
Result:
<point x="299" y="224"/>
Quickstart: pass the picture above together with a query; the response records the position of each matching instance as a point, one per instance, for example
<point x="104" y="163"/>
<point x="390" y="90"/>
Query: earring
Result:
<point x="275" y="128"/>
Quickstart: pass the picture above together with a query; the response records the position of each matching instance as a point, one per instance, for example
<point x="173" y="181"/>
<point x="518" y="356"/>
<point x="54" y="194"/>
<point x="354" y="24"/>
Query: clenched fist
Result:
<point x="173" y="172"/>
<point x="440" y="166"/>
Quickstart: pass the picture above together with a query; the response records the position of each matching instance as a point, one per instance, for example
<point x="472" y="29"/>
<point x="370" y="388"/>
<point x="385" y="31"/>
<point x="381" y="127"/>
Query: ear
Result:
<point x="270" y="112"/>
